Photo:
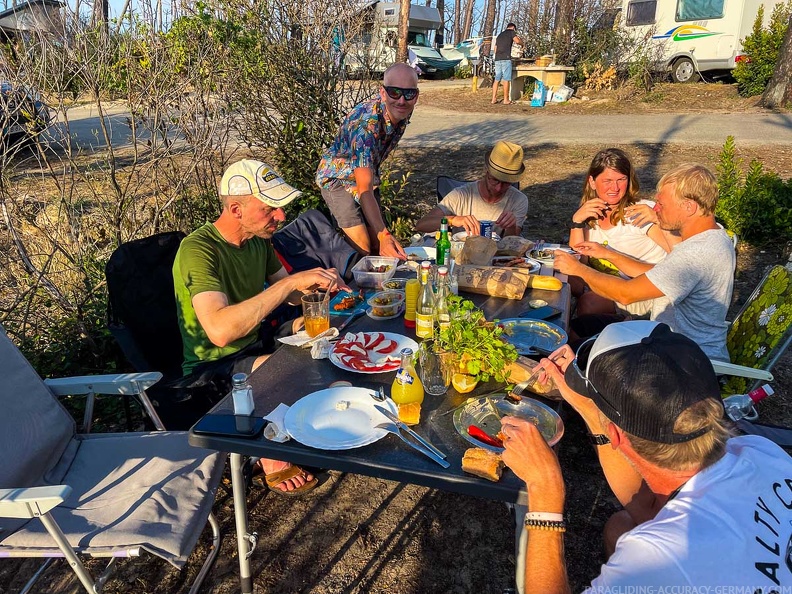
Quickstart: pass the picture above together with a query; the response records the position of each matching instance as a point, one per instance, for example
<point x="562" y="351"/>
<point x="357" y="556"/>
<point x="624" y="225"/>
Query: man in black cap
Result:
<point x="702" y="508"/>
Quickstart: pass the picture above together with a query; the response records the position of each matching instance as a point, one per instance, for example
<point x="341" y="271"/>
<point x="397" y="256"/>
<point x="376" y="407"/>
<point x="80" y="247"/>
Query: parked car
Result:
<point x="23" y="115"/>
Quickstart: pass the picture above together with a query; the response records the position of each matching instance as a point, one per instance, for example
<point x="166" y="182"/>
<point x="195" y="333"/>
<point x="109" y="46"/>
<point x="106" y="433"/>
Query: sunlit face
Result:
<point x="258" y="219"/>
<point x="610" y="185"/>
<point x="405" y="78"/>
<point x="495" y="188"/>
<point x="670" y="211"/>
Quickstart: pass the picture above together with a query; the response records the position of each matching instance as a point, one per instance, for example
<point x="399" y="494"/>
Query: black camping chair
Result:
<point x="141" y="315"/>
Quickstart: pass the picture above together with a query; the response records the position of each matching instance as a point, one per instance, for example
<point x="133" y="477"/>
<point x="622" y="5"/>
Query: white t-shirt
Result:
<point x="697" y="278"/>
<point x="466" y="200"/>
<point x="626" y="239"/>
<point x="730" y="526"/>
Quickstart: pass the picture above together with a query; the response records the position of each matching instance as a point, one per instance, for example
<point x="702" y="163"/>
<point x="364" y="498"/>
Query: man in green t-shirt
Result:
<point x="228" y="279"/>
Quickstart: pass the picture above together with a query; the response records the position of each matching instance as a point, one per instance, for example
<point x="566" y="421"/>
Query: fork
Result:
<point x="392" y="428"/>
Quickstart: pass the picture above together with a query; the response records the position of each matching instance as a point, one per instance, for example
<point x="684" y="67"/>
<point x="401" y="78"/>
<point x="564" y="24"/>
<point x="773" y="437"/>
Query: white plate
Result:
<point x="420" y="253"/>
<point x="402" y="342"/>
<point x="315" y="421"/>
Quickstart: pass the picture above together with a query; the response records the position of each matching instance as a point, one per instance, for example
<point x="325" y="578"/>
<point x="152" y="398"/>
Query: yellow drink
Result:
<point x="315" y="326"/>
<point x="407" y="387"/>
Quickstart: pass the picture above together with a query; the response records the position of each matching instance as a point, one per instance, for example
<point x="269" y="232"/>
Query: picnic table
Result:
<point x="290" y="373"/>
<point x="551" y="76"/>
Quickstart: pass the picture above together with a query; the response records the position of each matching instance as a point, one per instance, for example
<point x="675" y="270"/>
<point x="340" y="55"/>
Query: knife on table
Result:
<point x="406" y="428"/>
<point x="353" y="316"/>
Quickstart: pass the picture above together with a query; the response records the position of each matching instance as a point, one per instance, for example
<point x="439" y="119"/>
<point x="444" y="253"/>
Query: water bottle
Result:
<point x="242" y="395"/>
<point x="741" y="406"/>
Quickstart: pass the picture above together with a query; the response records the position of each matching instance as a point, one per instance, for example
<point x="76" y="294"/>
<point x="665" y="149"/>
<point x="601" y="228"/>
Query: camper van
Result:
<point x="375" y="49"/>
<point x="690" y="37"/>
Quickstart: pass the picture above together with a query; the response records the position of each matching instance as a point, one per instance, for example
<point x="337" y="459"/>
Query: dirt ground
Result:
<point x="357" y="534"/>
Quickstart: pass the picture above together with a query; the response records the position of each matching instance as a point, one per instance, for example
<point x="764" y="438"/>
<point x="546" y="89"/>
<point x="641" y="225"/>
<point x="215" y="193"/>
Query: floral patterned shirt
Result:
<point x="366" y="137"/>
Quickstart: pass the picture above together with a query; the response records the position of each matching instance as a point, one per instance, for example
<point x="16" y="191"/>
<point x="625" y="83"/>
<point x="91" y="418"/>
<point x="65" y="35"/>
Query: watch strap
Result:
<point x="598" y="439"/>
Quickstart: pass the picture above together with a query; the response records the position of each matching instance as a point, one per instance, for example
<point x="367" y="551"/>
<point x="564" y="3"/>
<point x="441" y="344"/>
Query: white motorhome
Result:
<point x="375" y="49"/>
<point x="689" y="37"/>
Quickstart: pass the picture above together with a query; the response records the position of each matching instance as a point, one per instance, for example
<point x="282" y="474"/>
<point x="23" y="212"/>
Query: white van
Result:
<point x="375" y="49"/>
<point x="689" y="37"/>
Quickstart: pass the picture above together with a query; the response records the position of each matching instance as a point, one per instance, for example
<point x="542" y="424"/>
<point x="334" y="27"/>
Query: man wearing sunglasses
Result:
<point x="349" y="170"/>
<point x="691" y="288"/>
<point x="702" y="508"/>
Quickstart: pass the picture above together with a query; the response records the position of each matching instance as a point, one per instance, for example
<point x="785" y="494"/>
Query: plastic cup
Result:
<point x="316" y="311"/>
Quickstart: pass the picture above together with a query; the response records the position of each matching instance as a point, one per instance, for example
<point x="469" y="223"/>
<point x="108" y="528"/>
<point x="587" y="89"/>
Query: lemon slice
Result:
<point x="410" y="414"/>
<point x="463" y="383"/>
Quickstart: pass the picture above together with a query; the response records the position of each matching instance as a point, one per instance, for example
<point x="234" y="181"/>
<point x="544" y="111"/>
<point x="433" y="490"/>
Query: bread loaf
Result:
<point x="483" y="463"/>
<point x="548" y="283"/>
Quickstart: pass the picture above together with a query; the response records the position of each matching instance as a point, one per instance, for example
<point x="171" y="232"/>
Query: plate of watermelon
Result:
<point x="370" y="352"/>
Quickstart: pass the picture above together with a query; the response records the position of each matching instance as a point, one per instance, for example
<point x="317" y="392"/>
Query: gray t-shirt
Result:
<point x="466" y="200"/>
<point x="697" y="279"/>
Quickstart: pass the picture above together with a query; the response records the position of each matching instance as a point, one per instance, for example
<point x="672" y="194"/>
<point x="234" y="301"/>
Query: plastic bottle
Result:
<point x="407" y="387"/>
<point x="424" y="309"/>
<point x="453" y="282"/>
<point x="443" y="245"/>
<point x="242" y="395"/>
<point x="441" y="315"/>
<point x="411" y="291"/>
<point x="741" y="406"/>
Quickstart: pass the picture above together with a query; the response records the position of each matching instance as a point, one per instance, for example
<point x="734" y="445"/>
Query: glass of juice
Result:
<point x="316" y="311"/>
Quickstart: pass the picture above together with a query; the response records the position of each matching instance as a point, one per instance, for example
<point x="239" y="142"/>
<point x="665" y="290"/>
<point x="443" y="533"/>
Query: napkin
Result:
<point x="301" y="339"/>
<point x="275" y="429"/>
<point x="321" y="348"/>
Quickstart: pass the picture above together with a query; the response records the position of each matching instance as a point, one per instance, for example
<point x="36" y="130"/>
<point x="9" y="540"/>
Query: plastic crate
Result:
<point x="367" y="278"/>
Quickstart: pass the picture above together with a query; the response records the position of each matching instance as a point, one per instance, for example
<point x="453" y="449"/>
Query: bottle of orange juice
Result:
<point x="407" y="390"/>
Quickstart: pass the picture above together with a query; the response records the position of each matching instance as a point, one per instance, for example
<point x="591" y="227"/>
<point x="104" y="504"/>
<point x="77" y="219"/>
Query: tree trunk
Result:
<point x="778" y="92"/>
<point x="101" y="11"/>
<point x="457" y="21"/>
<point x="469" y="5"/>
<point x="440" y="34"/>
<point x="533" y="19"/>
<point x="404" y="23"/>
<point x="489" y="25"/>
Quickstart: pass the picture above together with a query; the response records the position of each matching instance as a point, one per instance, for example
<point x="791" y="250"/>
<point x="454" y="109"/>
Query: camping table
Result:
<point x="550" y="76"/>
<point x="290" y="373"/>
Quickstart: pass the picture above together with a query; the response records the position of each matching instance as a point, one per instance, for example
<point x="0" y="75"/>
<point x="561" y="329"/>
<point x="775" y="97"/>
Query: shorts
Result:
<point x="276" y="325"/>
<point x="503" y="70"/>
<point x="345" y="210"/>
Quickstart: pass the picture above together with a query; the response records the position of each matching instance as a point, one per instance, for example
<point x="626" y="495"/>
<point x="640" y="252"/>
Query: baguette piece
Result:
<point x="483" y="463"/>
<point x="548" y="283"/>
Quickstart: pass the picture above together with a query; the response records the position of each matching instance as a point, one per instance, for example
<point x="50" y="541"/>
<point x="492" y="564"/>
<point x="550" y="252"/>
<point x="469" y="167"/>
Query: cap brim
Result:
<point x="572" y="377"/>
<point x="278" y="194"/>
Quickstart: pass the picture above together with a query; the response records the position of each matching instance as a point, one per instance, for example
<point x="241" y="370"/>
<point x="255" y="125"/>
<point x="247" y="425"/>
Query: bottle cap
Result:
<point x="761" y="393"/>
<point x="426" y="264"/>
<point x="442" y="270"/>
<point x="239" y="379"/>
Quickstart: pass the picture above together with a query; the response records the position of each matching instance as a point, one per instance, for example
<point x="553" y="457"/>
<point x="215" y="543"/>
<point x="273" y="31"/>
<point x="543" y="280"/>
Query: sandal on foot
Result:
<point x="276" y="478"/>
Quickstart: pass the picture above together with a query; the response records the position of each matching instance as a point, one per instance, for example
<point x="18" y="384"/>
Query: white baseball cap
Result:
<point x="254" y="178"/>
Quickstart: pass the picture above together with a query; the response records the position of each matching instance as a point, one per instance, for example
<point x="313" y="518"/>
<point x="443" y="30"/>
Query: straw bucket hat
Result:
<point x="505" y="161"/>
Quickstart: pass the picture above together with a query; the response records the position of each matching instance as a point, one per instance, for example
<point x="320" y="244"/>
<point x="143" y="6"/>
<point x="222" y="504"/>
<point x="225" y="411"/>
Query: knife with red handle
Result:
<point x="483" y="437"/>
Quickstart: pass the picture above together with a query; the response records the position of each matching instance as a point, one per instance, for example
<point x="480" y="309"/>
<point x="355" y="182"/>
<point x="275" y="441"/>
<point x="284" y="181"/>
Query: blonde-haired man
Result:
<point x="703" y="510"/>
<point x="692" y="286"/>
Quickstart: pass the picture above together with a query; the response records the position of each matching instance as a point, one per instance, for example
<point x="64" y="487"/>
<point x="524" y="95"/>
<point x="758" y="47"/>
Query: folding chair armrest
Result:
<point x="119" y="383"/>
<point x="724" y="368"/>
<point x="32" y="502"/>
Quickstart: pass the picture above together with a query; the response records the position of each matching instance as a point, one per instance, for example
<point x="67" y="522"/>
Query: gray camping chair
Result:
<point x="64" y="494"/>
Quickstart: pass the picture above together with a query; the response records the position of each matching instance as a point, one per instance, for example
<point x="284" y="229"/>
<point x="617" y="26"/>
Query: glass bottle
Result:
<point x="441" y="315"/>
<point x="453" y="283"/>
<point x="241" y="394"/>
<point x="407" y="386"/>
<point x="424" y="308"/>
<point x="741" y="406"/>
<point x="443" y="246"/>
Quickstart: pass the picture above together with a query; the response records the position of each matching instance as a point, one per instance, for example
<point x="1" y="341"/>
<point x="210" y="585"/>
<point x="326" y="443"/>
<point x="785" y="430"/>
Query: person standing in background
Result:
<point x="503" y="64"/>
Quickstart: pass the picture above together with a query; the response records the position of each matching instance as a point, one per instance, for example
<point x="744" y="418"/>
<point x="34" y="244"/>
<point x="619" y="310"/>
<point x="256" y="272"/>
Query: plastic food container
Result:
<point x="395" y="284"/>
<point x="371" y="271"/>
<point x="386" y="304"/>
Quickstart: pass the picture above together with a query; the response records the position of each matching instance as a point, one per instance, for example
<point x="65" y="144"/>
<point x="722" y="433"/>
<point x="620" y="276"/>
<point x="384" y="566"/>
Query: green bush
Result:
<point x="762" y="47"/>
<point x="756" y="206"/>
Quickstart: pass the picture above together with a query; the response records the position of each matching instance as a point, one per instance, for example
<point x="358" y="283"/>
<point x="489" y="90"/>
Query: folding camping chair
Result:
<point x="64" y="494"/>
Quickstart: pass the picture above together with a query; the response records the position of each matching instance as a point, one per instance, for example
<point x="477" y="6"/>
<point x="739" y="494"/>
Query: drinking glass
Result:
<point x="316" y="311"/>
<point x="434" y="375"/>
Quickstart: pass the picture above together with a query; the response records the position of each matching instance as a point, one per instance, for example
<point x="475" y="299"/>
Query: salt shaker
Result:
<point x="242" y="395"/>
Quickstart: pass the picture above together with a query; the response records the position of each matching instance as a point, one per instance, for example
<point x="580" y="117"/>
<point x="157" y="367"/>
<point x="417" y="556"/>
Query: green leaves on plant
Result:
<point x="762" y="47"/>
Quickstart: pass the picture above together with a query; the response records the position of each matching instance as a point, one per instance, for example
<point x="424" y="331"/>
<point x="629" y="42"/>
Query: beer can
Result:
<point x="486" y="229"/>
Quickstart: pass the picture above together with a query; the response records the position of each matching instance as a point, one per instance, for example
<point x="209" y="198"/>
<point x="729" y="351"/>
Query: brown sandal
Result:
<point x="276" y="478"/>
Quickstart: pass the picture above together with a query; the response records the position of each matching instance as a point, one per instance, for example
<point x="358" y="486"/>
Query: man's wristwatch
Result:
<point x="582" y="225"/>
<point x="598" y="439"/>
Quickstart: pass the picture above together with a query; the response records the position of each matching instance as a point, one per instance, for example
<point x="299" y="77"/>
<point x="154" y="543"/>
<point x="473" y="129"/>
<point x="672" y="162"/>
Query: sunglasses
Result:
<point x="397" y="93"/>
